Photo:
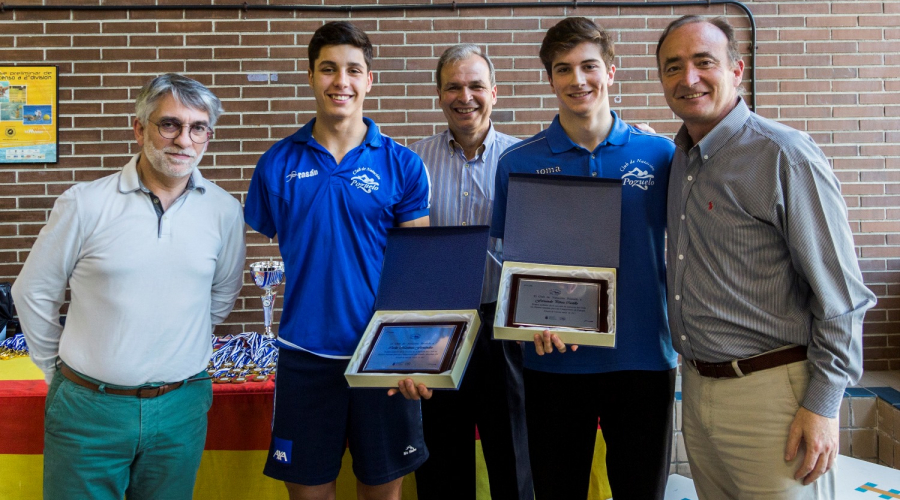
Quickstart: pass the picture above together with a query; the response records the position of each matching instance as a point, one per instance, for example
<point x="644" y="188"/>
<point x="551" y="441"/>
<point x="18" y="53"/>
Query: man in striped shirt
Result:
<point x="461" y="162"/>
<point x="766" y="299"/>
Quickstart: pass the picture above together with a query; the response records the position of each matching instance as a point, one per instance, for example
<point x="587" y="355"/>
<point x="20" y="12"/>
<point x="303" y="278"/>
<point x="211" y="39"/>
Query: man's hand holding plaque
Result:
<point x="545" y="342"/>
<point x="411" y="390"/>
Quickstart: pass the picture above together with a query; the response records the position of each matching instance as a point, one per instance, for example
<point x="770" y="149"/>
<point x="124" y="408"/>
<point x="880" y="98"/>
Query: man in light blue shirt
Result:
<point x="462" y="162"/>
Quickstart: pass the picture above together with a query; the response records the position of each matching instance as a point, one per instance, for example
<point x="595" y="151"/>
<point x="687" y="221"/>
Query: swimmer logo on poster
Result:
<point x="28" y="114"/>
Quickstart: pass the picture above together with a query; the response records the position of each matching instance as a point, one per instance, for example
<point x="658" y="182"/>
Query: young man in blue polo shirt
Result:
<point x="630" y="387"/>
<point x="330" y="192"/>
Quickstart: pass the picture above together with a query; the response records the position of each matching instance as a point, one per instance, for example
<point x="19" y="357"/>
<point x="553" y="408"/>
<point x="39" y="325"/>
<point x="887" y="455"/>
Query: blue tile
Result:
<point x="677" y="395"/>
<point x="860" y="392"/>
<point x="890" y="395"/>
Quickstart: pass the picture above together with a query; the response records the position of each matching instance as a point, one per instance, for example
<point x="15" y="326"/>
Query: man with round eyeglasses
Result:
<point x="154" y="257"/>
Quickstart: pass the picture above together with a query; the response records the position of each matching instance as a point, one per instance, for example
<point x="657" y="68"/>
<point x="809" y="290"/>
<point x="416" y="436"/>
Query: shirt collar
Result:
<point x="482" y="150"/>
<point x="559" y="142"/>
<point x="720" y="134"/>
<point x="373" y="137"/>
<point x="130" y="181"/>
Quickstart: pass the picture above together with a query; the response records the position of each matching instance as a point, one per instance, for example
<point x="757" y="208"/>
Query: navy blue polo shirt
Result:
<point x="641" y="161"/>
<point x="332" y="221"/>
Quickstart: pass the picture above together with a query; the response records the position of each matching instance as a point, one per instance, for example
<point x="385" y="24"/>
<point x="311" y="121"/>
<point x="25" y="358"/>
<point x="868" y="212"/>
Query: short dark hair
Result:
<point x="339" y="33"/>
<point x="459" y="52"/>
<point x="571" y="32"/>
<point x="734" y="53"/>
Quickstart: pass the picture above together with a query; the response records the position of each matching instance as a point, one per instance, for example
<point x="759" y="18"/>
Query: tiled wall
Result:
<point x="679" y="464"/>
<point x="859" y="424"/>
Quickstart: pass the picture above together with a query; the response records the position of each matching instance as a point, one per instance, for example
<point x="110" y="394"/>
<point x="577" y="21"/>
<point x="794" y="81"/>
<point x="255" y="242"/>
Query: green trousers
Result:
<point x="103" y="447"/>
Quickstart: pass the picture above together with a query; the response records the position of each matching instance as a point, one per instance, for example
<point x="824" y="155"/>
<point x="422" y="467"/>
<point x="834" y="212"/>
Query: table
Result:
<point x="237" y="442"/>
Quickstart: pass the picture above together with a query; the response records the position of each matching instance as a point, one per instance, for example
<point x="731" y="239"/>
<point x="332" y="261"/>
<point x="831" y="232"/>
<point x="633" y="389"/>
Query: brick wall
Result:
<point x="829" y="68"/>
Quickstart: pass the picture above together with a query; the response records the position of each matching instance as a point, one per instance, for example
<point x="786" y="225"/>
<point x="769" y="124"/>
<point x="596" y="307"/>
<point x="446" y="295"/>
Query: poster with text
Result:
<point x="29" y="114"/>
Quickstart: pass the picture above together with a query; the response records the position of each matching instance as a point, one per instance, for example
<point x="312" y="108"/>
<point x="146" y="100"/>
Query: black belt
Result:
<point x="742" y="367"/>
<point x="140" y="392"/>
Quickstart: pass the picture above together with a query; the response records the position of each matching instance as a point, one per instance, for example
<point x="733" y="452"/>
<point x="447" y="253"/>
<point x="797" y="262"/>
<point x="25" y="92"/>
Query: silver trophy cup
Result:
<point x="268" y="275"/>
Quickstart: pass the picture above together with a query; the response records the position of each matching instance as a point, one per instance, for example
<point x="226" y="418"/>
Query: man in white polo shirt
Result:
<point x="154" y="256"/>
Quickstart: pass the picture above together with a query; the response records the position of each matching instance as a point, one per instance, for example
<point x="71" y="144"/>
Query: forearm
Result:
<point x="38" y="312"/>
<point x="835" y="353"/>
<point x="229" y="274"/>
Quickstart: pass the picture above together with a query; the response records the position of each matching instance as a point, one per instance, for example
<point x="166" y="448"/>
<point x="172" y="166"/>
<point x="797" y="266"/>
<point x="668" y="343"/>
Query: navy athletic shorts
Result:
<point x="317" y="415"/>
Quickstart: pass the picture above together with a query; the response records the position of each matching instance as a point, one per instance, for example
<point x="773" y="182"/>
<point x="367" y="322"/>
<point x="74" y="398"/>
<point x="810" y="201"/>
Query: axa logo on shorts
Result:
<point x="301" y="175"/>
<point x="282" y="450"/>
<point x="366" y="179"/>
<point x="638" y="174"/>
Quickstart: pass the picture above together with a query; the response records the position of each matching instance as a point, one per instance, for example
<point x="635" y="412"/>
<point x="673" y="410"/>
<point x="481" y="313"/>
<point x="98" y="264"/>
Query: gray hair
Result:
<point x="188" y="92"/>
<point x="459" y="52"/>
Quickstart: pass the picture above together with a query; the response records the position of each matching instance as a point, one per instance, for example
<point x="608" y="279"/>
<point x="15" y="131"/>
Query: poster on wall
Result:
<point x="29" y="114"/>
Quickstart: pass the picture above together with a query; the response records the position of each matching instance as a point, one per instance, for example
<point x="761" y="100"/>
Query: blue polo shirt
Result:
<point x="331" y="220"/>
<point x="641" y="161"/>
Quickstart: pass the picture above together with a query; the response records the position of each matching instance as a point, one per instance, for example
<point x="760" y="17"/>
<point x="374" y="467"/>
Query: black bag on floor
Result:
<point x="7" y="311"/>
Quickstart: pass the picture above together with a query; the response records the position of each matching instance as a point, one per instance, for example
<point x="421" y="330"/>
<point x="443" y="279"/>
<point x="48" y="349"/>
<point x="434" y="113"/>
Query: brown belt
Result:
<point x="141" y="392"/>
<point x="742" y="367"/>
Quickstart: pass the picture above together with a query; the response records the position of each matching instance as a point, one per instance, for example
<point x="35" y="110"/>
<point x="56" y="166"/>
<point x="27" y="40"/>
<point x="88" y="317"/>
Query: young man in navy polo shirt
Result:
<point x="630" y="387"/>
<point x="330" y="192"/>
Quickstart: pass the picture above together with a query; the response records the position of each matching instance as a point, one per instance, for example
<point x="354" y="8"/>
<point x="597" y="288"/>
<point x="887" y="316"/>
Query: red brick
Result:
<point x="828" y="99"/>
<point x="239" y="52"/>
<point x="833" y="21"/>
<point x="780" y="22"/>
<point x="806" y="34"/>
<point x="879" y="21"/>
<point x="857" y="59"/>
<point x="17" y="55"/>
<point x="129" y="54"/>
<point x="857" y="111"/>
<point x="857" y="34"/>
<point x="184" y="27"/>
<point x="833" y="47"/>
<point x="204" y="39"/>
<point x="855" y="8"/>
<point x="878" y="72"/>
<point x="831" y="73"/>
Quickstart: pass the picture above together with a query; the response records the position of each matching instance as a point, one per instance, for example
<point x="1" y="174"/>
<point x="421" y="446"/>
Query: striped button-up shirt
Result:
<point x="760" y="254"/>
<point x="462" y="190"/>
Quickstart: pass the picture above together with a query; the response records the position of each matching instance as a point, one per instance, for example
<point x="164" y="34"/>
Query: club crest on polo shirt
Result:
<point x="282" y="450"/>
<point x="638" y="174"/>
<point x="366" y="179"/>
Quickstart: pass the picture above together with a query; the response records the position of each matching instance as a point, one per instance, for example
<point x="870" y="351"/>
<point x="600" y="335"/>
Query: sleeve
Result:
<point x="229" y="275"/>
<point x="823" y="254"/>
<point x="257" y="210"/>
<point x="501" y="188"/>
<point x="40" y="289"/>
<point x="416" y="200"/>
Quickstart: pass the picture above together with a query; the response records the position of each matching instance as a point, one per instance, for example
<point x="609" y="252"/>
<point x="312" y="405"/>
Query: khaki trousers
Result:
<point x="735" y="432"/>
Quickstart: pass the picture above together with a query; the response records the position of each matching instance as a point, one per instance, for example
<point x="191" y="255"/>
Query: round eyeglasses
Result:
<point x="171" y="129"/>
